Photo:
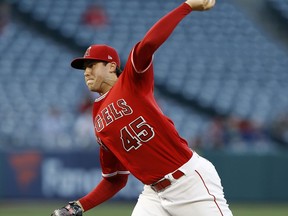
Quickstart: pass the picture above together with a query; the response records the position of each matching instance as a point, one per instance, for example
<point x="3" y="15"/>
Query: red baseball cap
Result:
<point x="99" y="52"/>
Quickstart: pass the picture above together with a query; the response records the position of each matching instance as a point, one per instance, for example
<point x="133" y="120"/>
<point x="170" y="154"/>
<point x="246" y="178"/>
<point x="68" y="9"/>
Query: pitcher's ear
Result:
<point x="113" y="66"/>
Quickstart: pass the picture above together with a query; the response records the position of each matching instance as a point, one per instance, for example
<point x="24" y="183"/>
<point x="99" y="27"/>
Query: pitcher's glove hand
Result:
<point x="72" y="209"/>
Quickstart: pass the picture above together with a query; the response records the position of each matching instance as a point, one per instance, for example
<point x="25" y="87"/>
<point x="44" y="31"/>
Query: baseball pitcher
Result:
<point x="136" y="137"/>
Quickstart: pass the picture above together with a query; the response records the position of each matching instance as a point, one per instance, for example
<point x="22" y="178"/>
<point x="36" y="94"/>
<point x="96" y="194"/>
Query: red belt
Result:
<point x="164" y="183"/>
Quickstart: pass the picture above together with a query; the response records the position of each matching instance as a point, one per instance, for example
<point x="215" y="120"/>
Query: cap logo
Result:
<point x="87" y="53"/>
<point x="110" y="57"/>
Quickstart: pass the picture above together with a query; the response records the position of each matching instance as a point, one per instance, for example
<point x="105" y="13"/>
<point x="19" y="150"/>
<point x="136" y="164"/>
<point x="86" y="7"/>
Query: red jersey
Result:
<point x="134" y="133"/>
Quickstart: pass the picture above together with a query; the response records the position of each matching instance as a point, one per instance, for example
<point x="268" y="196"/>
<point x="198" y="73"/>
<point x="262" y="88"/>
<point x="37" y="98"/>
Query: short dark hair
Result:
<point x="118" y="71"/>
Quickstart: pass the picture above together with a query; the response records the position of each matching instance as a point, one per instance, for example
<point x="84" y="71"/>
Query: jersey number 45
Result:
<point x="136" y="133"/>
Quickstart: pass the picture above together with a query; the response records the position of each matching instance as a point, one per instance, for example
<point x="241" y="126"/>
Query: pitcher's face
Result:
<point x="100" y="76"/>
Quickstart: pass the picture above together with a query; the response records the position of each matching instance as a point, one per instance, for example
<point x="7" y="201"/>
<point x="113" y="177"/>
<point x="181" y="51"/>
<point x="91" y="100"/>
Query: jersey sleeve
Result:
<point x="157" y="35"/>
<point x="110" y="164"/>
<point x="135" y="81"/>
<point x="139" y="67"/>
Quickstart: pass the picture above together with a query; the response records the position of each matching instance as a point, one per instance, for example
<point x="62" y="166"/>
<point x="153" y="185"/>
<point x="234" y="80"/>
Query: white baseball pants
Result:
<point x="197" y="193"/>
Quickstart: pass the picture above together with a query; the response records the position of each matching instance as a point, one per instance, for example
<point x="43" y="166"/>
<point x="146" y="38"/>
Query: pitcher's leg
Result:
<point x="211" y="185"/>
<point x="199" y="192"/>
<point x="148" y="204"/>
<point x="210" y="180"/>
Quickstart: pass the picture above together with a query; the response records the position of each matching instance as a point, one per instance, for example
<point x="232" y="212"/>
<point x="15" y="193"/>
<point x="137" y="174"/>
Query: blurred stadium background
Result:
<point x="222" y="78"/>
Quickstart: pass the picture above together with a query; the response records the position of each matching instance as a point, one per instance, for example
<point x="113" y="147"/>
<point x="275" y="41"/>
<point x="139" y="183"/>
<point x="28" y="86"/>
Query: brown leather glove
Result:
<point x="72" y="209"/>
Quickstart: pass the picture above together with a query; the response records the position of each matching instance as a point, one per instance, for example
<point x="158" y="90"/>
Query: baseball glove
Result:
<point x="72" y="209"/>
